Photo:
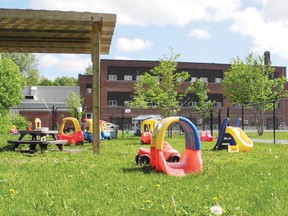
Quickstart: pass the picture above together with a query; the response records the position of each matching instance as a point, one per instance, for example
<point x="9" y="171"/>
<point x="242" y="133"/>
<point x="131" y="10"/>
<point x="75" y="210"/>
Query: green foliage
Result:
<point x="73" y="104"/>
<point x="247" y="82"/>
<point x="45" y="82"/>
<point x="65" y="81"/>
<point x="19" y="121"/>
<point x="5" y="124"/>
<point x="201" y="90"/>
<point x="12" y="83"/>
<point x="160" y="85"/>
<point x="76" y="182"/>
<point x="89" y="70"/>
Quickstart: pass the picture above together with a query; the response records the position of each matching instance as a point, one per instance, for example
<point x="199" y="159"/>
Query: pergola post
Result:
<point x="95" y="53"/>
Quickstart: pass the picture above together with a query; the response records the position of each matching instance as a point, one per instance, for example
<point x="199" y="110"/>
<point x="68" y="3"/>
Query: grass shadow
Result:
<point x="7" y="148"/>
<point x="145" y="169"/>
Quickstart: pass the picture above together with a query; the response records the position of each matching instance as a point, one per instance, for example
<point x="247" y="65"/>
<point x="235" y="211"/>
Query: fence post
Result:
<point x="274" y="123"/>
<point x="242" y="120"/>
<point x="211" y="122"/>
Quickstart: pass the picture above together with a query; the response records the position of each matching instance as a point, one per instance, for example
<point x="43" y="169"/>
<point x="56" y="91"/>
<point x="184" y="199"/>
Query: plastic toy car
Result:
<point x="74" y="135"/>
<point x="170" y="154"/>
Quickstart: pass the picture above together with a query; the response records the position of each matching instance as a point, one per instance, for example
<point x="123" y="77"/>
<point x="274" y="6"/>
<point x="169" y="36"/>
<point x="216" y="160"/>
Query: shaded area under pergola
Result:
<point x="43" y="31"/>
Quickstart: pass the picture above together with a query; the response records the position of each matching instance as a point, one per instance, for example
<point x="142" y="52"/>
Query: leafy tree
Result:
<point x="45" y="82"/>
<point x="12" y="83"/>
<point x="161" y="86"/>
<point x="73" y="103"/>
<point x="26" y="62"/>
<point x="201" y="90"/>
<point x="247" y="83"/>
<point x="32" y="77"/>
<point x="19" y="121"/>
<point x="89" y="70"/>
<point x="65" y="81"/>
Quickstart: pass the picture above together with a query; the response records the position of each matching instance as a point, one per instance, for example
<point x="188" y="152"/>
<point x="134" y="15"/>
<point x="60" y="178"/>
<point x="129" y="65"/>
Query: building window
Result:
<point x="112" y="77"/>
<point x="192" y="103"/>
<point x="89" y="115"/>
<point x="128" y="77"/>
<point x="204" y="79"/>
<point x="88" y="89"/>
<point x="127" y="103"/>
<point x="137" y="77"/>
<point x="218" y="80"/>
<point x="112" y="102"/>
<point x="193" y="79"/>
<point x="218" y="104"/>
<point x="180" y="103"/>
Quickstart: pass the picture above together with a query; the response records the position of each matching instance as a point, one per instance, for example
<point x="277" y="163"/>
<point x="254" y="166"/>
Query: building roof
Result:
<point x="43" y="31"/>
<point x="42" y="97"/>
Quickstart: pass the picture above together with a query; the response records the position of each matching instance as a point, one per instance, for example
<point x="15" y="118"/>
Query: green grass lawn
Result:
<point x="77" y="182"/>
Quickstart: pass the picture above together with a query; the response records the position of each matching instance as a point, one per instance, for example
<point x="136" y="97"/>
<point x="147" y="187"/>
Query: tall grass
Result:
<point x="76" y="182"/>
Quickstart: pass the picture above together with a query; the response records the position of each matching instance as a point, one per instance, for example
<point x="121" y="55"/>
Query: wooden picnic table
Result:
<point x="38" y="137"/>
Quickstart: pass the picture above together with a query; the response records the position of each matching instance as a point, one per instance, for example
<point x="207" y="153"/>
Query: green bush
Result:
<point x="19" y="121"/>
<point x="4" y="122"/>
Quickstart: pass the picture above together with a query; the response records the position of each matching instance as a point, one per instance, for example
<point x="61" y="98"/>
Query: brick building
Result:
<point x="119" y="76"/>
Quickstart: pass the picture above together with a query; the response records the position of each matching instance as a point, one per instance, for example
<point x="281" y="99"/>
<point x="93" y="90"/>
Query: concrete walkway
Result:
<point x="270" y="141"/>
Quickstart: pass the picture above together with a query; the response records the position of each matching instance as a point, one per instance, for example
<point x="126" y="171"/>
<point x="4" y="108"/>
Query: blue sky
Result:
<point x="200" y="31"/>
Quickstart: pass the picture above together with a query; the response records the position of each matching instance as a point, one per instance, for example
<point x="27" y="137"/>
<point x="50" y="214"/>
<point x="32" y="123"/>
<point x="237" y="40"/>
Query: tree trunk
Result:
<point x="259" y="121"/>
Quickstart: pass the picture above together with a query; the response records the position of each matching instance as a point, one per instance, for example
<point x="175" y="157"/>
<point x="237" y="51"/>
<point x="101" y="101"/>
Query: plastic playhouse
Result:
<point x="170" y="154"/>
<point x="233" y="138"/>
<point x="190" y="160"/>
<point x="74" y="134"/>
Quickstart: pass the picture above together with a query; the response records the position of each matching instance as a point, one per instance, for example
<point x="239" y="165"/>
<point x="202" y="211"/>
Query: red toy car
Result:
<point x="170" y="154"/>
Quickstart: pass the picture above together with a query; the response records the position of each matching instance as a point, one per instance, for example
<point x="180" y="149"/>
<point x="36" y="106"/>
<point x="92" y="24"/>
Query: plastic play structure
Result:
<point x="13" y="130"/>
<point x="146" y="130"/>
<point x="105" y="133"/>
<point x="233" y="138"/>
<point x="170" y="154"/>
<point x="75" y="135"/>
<point x="190" y="160"/>
<point x="206" y="136"/>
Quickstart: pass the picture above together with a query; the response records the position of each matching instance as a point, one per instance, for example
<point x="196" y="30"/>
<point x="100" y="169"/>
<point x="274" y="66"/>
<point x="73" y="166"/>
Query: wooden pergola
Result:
<point x="43" y="31"/>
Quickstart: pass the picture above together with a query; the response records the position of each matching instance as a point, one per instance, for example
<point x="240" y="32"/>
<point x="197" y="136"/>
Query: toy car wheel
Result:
<point x="174" y="158"/>
<point x="79" y="143"/>
<point x="142" y="160"/>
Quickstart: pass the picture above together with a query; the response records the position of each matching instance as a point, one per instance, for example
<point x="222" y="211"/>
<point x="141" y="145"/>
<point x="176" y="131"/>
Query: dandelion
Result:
<point x="12" y="191"/>
<point x="148" y="201"/>
<point x="158" y="185"/>
<point x="216" y="210"/>
<point x="214" y="198"/>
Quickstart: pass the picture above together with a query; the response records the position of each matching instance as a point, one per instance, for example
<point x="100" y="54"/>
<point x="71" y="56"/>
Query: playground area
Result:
<point x="75" y="181"/>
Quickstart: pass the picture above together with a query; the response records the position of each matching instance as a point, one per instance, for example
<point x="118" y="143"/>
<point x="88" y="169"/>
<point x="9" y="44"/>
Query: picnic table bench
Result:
<point x="38" y="137"/>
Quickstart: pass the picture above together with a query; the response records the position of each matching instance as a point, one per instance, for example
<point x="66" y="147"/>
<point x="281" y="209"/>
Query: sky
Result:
<point x="203" y="31"/>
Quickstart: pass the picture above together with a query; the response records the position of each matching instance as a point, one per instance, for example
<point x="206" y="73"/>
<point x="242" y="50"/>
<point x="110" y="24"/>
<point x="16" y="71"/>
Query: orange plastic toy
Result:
<point x="190" y="160"/>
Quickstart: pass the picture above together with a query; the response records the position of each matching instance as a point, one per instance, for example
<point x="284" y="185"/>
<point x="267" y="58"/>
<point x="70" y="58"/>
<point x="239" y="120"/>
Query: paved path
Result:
<point x="270" y="141"/>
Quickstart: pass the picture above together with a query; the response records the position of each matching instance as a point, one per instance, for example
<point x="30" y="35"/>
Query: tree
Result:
<point x="201" y="90"/>
<point x="65" y="81"/>
<point x="45" y="82"/>
<point x="73" y="104"/>
<point x="27" y="64"/>
<point x="160" y="86"/>
<point x="12" y="83"/>
<point x="247" y="83"/>
<point x="89" y="70"/>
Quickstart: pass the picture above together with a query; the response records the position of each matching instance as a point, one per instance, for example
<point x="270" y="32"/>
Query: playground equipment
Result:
<point x="146" y="130"/>
<point x="73" y="136"/>
<point x="13" y="130"/>
<point x="233" y="138"/>
<point x="206" y="136"/>
<point x="190" y="160"/>
<point x="170" y="154"/>
<point x="103" y="130"/>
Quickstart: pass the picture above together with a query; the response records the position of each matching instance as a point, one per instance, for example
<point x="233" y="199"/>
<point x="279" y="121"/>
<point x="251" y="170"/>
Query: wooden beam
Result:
<point x="95" y="51"/>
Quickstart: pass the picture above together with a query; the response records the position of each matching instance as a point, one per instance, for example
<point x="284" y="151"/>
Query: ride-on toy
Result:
<point x="74" y="135"/>
<point x="103" y="130"/>
<point x="147" y="129"/>
<point x="170" y="154"/>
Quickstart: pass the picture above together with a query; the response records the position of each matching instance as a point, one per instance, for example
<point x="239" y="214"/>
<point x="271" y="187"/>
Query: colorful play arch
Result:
<point x="190" y="160"/>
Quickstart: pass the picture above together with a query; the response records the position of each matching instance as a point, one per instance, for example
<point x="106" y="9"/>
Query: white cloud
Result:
<point x="149" y="12"/>
<point x="201" y="34"/>
<point x="266" y="33"/>
<point x="64" y="63"/>
<point x="132" y="45"/>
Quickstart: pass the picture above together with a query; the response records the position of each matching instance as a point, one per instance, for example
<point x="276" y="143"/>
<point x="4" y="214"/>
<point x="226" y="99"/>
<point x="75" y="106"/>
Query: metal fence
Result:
<point x="274" y="120"/>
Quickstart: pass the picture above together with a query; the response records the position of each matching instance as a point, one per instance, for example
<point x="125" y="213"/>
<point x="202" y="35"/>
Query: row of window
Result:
<point x="113" y="77"/>
<point x="153" y="104"/>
